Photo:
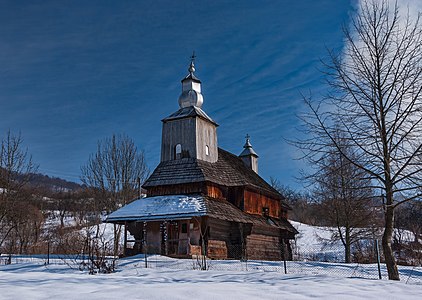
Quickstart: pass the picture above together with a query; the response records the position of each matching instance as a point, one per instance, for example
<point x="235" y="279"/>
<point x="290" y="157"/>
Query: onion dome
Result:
<point x="191" y="88"/>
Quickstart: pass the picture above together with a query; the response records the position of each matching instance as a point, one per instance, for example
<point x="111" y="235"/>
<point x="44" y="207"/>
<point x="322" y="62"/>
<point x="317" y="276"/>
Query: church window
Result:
<point x="178" y="151"/>
<point x="207" y="150"/>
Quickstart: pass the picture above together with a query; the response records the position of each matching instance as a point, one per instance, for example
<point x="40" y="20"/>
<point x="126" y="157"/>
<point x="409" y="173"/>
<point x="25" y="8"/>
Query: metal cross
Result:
<point x="247" y="136"/>
<point x="192" y="58"/>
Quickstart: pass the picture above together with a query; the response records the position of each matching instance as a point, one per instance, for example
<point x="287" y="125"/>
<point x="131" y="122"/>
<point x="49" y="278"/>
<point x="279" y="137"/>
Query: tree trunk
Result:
<point x="117" y="234"/>
<point x="393" y="273"/>
<point x="347" y="246"/>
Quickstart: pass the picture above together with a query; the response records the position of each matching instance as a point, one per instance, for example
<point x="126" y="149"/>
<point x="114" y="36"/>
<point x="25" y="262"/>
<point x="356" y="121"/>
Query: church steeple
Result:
<point x="189" y="132"/>
<point x="191" y="88"/>
<point x="249" y="156"/>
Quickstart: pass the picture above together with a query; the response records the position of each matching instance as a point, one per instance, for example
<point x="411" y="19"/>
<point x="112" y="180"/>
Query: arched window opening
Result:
<point x="178" y="151"/>
<point x="207" y="150"/>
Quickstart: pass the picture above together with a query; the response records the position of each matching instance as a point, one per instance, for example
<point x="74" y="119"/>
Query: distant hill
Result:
<point x="53" y="184"/>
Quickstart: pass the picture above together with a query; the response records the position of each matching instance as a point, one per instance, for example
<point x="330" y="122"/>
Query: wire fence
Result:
<point x="311" y="261"/>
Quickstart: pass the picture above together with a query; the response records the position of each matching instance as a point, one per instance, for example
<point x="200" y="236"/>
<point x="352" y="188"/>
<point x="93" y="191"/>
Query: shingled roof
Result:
<point x="176" y="207"/>
<point x="229" y="170"/>
<point x="189" y="112"/>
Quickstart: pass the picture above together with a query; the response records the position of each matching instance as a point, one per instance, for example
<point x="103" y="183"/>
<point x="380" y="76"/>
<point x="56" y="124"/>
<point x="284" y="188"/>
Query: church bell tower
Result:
<point x="189" y="132"/>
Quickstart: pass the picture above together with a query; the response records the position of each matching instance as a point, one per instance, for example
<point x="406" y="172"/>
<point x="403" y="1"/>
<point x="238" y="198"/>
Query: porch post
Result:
<point x="125" y="240"/>
<point x="165" y="238"/>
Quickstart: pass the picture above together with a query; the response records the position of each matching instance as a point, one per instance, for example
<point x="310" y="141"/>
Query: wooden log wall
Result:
<point x="259" y="246"/>
<point x="219" y="229"/>
<point x="217" y="249"/>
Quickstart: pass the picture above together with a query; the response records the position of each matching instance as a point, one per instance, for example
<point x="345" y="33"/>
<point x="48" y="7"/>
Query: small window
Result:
<point x="178" y="151"/>
<point x="184" y="228"/>
<point x="265" y="211"/>
<point x="207" y="150"/>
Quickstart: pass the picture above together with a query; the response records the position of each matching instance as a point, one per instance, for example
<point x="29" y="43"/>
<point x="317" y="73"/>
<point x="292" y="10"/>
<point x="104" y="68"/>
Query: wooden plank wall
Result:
<point x="206" y="135"/>
<point x="181" y="131"/>
<point x="175" y="189"/>
<point x="255" y="202"/>
<point x="235" y="196"/>
<point x="217" y="192"/>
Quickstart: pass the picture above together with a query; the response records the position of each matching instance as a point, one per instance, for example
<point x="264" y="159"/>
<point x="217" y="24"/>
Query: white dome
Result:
<point x="191" y="90"/>
<point x="190" y="98"/>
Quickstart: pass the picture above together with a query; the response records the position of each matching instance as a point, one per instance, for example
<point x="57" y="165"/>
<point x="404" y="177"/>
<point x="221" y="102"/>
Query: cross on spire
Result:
<point x="192" y="63"/>
<point x="247" y="142"/>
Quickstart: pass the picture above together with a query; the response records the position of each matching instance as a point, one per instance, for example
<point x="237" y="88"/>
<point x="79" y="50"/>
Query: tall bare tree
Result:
<point x="115" y="171"/>
<point x="346" y="196"/>
<point x="376" y="85"/>
<point x="114" y="174"/>
<point x="16" y="167"/>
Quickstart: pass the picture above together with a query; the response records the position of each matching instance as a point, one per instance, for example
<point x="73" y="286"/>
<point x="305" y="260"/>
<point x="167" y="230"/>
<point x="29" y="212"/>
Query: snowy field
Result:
<point x="33" y="280"/>
<point x="29" y="277"/>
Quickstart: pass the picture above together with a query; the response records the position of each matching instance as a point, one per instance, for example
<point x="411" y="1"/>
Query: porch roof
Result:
<point x="179" y="207"/>
<point x="169" y="207"/>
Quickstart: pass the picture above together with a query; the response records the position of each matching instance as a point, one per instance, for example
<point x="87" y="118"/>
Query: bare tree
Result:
<point x="16" y="167"/>
<point x="115" y="171"/>
<point x="408" y="232"/>
<point x="346" y="196"/>
<point x="304" y="208"/>
<point x="376" y="85"/>
<point x="114" y="174"/>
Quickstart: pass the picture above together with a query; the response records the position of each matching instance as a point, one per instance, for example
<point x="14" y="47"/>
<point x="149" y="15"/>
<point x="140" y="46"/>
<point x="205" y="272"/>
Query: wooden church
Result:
<point x="203" y="200"/>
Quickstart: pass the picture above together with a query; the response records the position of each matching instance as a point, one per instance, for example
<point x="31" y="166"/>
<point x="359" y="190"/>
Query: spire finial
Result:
<point x="247" y="143"/>
<point x="249" y="156"/>
<point x="192" y="63"/>
<point x="191" y="87"/>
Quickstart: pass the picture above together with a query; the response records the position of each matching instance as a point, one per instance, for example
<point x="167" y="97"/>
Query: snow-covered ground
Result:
<point x="33" y="280"/>
<point x="167" y="278"/>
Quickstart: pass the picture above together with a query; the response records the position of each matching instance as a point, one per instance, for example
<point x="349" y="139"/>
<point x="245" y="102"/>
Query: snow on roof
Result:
<point x="160" y="207"/>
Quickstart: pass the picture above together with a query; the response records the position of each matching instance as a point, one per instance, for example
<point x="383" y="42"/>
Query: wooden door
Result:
<point x="172" y="237"/>
<point x="184" y="238"/>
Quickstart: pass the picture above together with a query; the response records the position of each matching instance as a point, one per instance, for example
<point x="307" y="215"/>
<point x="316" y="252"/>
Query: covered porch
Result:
<point x="174" y="238"/>
<point x="171" y="225"/>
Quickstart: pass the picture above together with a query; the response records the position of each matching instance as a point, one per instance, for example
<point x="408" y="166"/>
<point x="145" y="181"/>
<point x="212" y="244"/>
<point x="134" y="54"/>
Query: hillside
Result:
<point x="53" y="184"/>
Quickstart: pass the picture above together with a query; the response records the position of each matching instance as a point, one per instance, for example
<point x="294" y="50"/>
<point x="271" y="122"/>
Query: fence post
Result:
<point x="145" y="244"/>
<point x="378" y="259"/>
<point x="284" y="248"/>
<point x="48" y="252"/>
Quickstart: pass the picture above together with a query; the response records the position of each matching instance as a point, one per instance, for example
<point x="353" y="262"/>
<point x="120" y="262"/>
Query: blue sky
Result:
<point x="74" y="72"/>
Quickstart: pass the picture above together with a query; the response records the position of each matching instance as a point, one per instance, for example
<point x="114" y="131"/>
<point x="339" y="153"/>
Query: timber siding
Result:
<point x="193" y="130"/>
<point x="255" y="202"/>
<point x="206" y="135"/>
<point x="180" y="131"/>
